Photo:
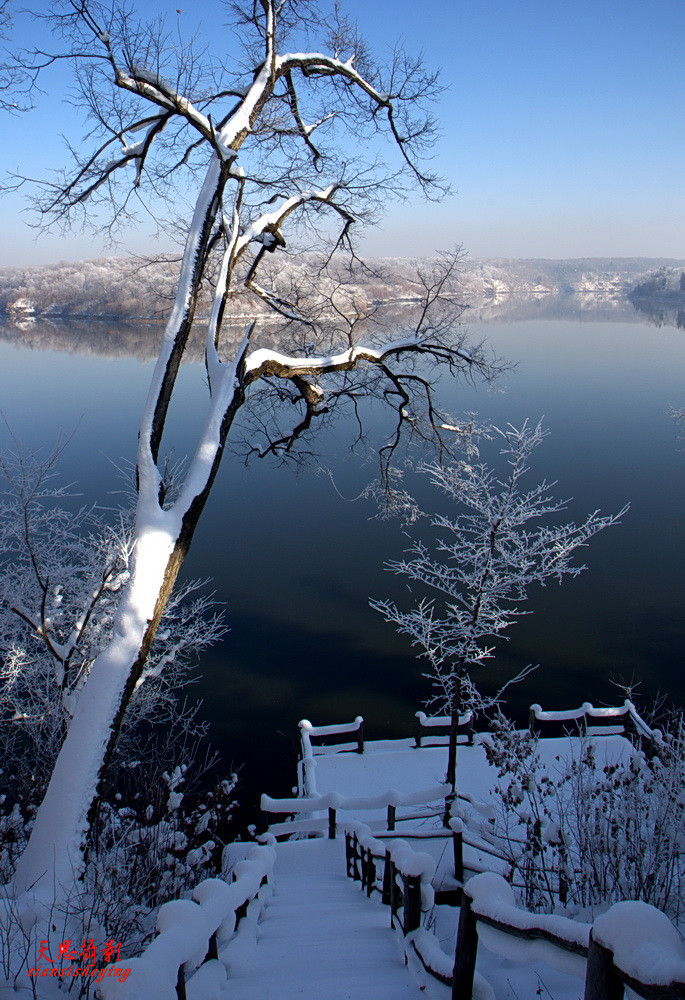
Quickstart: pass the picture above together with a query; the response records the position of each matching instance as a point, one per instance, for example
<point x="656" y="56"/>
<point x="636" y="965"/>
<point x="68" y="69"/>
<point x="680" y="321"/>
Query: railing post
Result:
<point x="465" y="953"/>
<point x="392" y="814"/>
<point x="240" y="912"/>
<point x="360" y="735"/>
<point x="181" y="984"/>
<point x="364" y="866"/>
<point x="418" y="728"/>
<point x="355" y="858"/>
<point x="348" y="854"/>
<point x="412" y="902"/>
<point x="602" y="981"/>
<point x="563" y="889"/>
<point x="212" y="950"/>
<point x="563" y="880"/>
<point x="458" y="851"/>
<point x="331" y="824"/>
<point x="386" y="896"/>
<point x="533" y="725"/>
<point x="394" y="892"/>
<point x="370" y="873"/>
<point x="537" y="838"/>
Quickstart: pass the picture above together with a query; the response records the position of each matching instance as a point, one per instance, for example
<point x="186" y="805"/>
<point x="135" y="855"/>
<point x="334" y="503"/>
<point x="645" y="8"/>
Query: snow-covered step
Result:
<point x="321" y="937"/>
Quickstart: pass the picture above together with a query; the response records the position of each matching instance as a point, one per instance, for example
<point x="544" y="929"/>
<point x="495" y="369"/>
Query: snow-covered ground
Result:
<point x="395" y="770"/>
<point x="313" y="933"/>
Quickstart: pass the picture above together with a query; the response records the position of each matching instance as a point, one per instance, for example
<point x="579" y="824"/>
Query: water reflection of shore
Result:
<point x="140" y="340"/>
<point x="102" y="337"/>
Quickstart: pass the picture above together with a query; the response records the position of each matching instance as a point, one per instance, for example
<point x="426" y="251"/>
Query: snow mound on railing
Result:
<point x="493" y="897"/>
<point x="184" y="928"/>
<point x="645" y="943"/>
<point x="333" y="800"/>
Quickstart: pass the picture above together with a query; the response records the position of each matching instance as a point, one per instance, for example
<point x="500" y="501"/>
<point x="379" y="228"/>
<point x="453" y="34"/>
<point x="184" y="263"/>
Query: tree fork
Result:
<point x="184" y="327"/>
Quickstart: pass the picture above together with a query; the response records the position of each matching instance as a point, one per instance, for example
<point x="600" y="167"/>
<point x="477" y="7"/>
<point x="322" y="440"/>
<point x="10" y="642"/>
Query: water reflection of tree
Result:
<point x="661" y="314"/>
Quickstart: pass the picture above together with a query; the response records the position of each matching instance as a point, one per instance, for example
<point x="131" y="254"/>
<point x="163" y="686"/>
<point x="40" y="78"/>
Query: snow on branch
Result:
<point x="264" y="362"/>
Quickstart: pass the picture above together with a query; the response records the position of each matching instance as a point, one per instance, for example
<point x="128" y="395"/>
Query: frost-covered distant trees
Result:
<point x="667" y="284"/>
<point x="288" y="139"/>
<point x="486" y="554"/>
<point x="144" y="287"/>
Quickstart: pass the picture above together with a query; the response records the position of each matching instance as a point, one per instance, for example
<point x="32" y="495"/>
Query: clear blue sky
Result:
<point x="563" y="130"/>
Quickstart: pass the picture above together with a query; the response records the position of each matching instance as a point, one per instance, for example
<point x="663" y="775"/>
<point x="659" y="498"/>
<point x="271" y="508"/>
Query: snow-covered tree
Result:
<point x="480" y="566"/>
<point x="61" y="574"/>
<point x="288" y="143"/>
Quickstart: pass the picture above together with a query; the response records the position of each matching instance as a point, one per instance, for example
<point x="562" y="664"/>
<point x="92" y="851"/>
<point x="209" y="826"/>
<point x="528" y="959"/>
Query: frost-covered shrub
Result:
<point x="152" y="842"/>
<point x="584" y="832"/>
<point x="61" y="576"/>
<point x="154" y="847"/>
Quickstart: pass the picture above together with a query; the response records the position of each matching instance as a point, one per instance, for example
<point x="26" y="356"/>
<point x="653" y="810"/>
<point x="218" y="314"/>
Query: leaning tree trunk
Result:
<point x="53" y="858"/>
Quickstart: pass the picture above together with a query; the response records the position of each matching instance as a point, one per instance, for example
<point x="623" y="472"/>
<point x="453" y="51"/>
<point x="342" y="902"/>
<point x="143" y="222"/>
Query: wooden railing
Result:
<point x="590" y="721"/>
<point x="191" y="932"/>
<point x="434" y="731"/>
<point x="611" y="946"/>
<point x="604" y="950"/>
<point x="402" y="876"/>
<point x="337" y="745"/>
<point x="379" y="867"/>
<point x="321" y="811"/>
<point x="307" y="762"/>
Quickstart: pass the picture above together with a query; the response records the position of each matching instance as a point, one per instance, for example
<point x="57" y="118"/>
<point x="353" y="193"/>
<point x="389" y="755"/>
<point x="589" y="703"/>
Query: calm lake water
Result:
<point x="294" y="559"/>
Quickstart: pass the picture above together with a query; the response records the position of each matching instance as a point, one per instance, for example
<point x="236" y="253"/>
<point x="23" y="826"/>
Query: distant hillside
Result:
<point x="126" y="288"/>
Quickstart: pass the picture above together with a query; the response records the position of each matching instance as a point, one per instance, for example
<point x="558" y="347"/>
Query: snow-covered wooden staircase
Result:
<point x="320" y="936"/>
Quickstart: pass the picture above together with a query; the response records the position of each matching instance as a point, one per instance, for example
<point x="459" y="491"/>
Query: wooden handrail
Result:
<point x="307" y="731"/>
<point x="183" y="925"/>
<point x="425" y="726"/>
<point x="588" y="716"/>
<point x="604" y="977"/>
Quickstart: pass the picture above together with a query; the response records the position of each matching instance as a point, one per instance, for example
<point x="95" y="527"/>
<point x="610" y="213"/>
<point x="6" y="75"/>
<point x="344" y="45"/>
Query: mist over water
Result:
<point x="294" y="557"/>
